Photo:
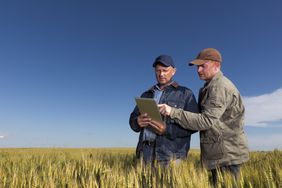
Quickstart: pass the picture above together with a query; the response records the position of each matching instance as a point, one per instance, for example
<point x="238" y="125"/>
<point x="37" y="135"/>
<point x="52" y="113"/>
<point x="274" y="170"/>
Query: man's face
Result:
<point x="164" y="74"/>
<point x="207" y="70"/>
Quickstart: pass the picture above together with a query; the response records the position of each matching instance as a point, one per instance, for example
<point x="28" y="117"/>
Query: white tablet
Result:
<point x="149" y="106"/>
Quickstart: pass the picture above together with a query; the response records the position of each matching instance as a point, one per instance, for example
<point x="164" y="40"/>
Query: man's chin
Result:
<point x="163" y="82"/>
<point x="202" y="78"/>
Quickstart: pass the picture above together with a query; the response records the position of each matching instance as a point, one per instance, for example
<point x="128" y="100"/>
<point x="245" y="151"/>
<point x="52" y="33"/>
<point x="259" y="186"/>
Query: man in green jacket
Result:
<point x="221" y="119"/>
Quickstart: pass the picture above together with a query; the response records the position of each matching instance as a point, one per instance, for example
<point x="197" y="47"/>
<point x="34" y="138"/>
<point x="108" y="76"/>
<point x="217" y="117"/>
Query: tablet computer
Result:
<point x="149" y="106"/>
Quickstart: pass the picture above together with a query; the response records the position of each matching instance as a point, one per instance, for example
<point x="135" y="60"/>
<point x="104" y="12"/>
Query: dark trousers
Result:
<point x="234" y="170"/>
<point x="148" y="152"/>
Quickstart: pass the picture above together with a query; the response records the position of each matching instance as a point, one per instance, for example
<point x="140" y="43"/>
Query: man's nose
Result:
<point x="161" y="73"/>
<point x="199" y="68"/>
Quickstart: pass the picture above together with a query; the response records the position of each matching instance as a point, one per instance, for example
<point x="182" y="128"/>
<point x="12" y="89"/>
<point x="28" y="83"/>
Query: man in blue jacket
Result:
<point x="168" y="141"/>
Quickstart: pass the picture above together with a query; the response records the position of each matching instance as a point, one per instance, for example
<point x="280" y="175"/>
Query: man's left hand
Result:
<point x="158" y="127"/>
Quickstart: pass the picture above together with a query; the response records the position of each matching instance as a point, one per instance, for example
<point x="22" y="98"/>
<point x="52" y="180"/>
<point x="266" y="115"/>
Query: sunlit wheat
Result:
<point x="93" y="168"/>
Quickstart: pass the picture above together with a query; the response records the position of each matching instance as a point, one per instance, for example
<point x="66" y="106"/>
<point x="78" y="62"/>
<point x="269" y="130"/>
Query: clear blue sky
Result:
<point x="69" y="70"/>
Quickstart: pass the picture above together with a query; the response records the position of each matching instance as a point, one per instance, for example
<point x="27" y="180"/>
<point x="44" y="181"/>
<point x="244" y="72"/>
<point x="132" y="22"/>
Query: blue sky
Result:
<point x="69" y="70"/>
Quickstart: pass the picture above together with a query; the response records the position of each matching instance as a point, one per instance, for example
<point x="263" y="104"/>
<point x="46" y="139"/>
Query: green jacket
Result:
<point x="222" y="138"/>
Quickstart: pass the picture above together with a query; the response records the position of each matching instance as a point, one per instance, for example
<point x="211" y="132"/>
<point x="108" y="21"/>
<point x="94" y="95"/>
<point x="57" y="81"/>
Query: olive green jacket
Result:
<point x="222" y="139"/>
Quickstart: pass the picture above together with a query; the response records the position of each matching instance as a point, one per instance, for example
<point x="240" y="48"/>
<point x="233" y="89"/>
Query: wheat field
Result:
<point x="117" y="167"/>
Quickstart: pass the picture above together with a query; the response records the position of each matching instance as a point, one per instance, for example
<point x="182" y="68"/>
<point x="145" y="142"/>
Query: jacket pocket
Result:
<point x="173" y="129"/>
<point x="212" y="148"/>
<point x="176" y="104"/>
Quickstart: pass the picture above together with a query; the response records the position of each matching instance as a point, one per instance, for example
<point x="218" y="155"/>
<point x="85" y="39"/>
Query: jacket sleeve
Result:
<point x="212" y="110"/>
<point x="133" y="120"/>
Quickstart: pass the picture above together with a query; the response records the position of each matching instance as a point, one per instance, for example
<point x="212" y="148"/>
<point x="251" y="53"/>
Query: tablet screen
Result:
<point x="149" y="106"/>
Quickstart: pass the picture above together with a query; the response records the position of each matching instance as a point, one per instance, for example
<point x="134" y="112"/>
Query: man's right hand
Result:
<point x="164" y="109"/>
<point x="143" y="120"/>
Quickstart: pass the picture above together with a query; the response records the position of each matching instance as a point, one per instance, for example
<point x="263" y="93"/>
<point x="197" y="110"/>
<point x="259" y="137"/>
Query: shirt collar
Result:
<point x="171" y="83"/>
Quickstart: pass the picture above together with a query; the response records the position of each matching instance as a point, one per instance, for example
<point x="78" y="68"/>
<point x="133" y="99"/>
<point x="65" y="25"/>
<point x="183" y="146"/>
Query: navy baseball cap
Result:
<point x="164" y="60"/>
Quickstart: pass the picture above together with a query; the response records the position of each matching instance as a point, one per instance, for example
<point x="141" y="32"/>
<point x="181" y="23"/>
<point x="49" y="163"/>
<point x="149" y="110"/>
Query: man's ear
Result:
<point x="174" y="71"/>
<point x="217" y="65"/>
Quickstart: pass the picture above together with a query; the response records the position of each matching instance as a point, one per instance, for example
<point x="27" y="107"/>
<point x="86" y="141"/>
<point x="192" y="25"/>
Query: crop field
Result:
<point x="117" y="167"/>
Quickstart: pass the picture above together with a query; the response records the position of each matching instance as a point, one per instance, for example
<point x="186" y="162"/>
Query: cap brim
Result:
<point x="197" y="62"/>
<point x="162" y="63"/>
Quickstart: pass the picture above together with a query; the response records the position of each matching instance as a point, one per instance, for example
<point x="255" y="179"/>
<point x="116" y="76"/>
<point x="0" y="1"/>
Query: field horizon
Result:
<point x="114" y="148"/>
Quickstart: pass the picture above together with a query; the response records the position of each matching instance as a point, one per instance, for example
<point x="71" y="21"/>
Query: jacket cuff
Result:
<point x="175" y="112"/>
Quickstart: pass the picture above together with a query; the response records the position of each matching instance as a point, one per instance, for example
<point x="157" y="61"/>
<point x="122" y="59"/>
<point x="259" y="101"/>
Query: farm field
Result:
<point x="117" y="167"/>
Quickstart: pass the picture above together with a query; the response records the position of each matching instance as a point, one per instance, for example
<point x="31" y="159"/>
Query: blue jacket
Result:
<point x="175" y="143"/>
